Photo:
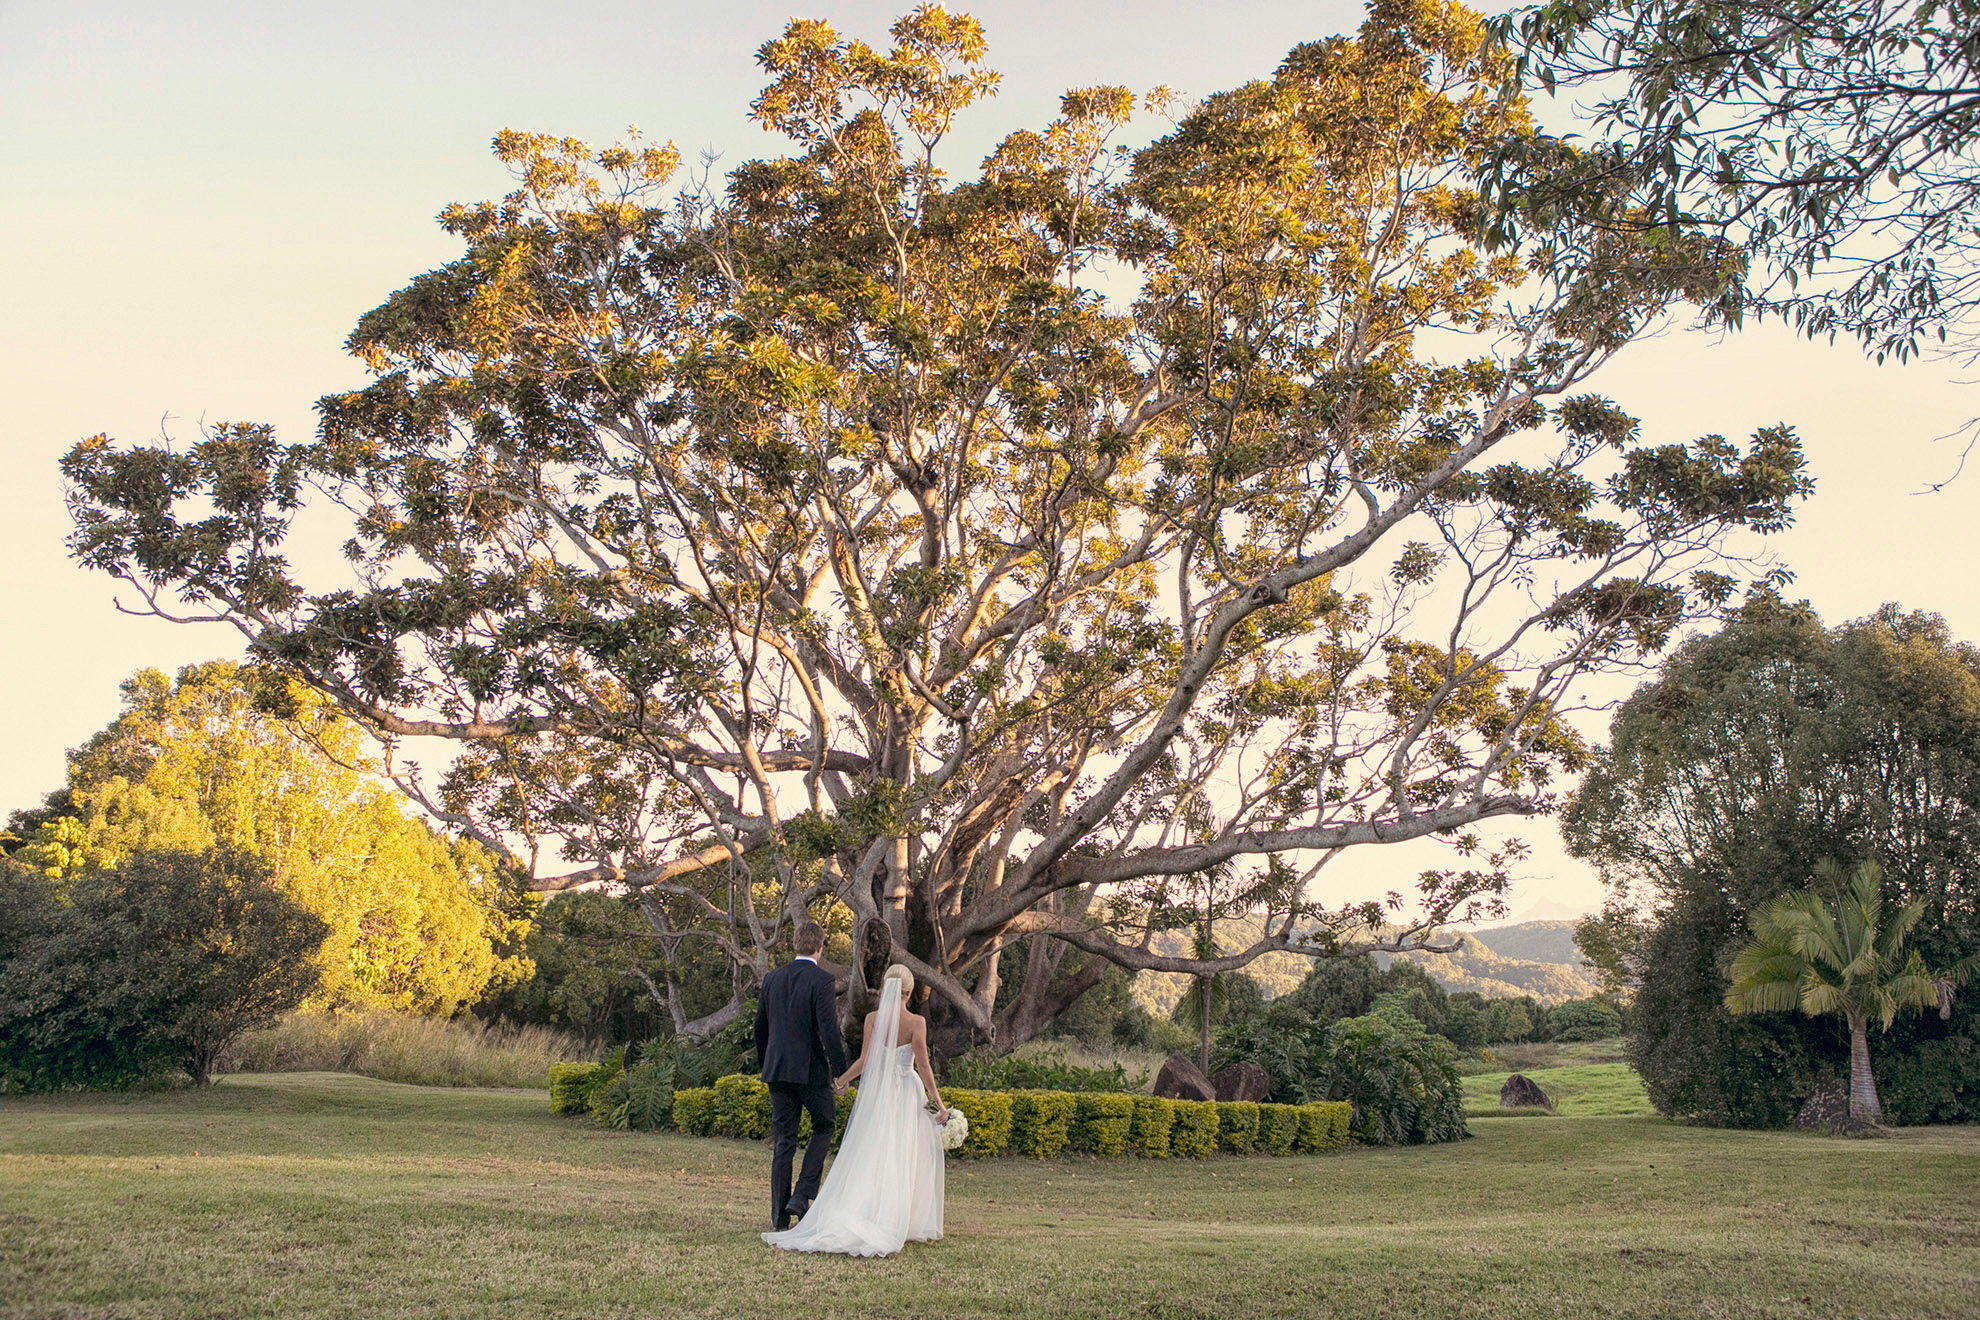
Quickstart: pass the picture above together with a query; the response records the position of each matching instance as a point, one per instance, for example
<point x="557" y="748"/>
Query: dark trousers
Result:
<point x="789" y="1101"/>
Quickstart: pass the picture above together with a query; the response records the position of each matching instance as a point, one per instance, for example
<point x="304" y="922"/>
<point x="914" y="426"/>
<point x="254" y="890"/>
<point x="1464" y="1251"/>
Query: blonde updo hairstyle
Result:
<point x="904" y="976"/>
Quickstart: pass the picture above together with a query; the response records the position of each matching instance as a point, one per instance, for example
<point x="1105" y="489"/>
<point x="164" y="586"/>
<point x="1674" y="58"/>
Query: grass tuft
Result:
<point x="403" y="1047"/>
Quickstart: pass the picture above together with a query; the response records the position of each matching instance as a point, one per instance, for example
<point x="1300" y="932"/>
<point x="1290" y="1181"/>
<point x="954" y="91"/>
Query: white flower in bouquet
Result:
<point x="956" y="1130"/>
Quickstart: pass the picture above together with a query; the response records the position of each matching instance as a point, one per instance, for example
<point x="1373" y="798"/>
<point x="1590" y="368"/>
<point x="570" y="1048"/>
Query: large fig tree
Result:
<point x="1019" y="556"/>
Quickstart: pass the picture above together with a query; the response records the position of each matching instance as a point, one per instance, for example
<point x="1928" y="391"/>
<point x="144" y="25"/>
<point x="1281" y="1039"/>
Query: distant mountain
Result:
<point x="1477" y="966"/>
<point x="1535" y="958"/>
<point x="1534" y="941"/>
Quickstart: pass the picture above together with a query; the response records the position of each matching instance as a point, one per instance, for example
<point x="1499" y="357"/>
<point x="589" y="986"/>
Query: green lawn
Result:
<point x="304" y="1195"/>
<point x="1589" y="1090"/>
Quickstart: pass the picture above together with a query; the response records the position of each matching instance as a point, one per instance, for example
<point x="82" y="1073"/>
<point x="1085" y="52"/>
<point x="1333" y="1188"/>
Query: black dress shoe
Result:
<point x="795" y="1207"/>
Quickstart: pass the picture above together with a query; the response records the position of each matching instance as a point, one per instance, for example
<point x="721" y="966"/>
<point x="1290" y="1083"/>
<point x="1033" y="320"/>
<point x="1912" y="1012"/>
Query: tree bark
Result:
<point x="1862" y="1084"/>
<point x="1203" y="1015"/>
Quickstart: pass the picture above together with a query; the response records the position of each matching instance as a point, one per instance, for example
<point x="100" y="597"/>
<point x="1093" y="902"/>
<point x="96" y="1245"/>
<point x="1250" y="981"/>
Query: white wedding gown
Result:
<point x="885" y="1187"/>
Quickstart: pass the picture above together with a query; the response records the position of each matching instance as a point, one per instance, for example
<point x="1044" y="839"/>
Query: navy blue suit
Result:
<point x="802" y="1050"/>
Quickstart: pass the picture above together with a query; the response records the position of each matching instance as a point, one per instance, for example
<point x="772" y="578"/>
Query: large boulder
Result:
<point x="1241" y="1081"/>
<point x="1827" y="1110"/>
<point x="1182" y="1080"/>
<point x="1522" y="1092"/>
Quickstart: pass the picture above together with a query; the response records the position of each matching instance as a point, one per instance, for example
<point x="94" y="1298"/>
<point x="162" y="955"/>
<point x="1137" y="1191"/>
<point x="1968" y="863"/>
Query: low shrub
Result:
<point x="1153" y="1119"/>
<point x="695" y="1110"/>
<point x="1237" y="1125"/>
<point x="571" y="1085"/>
<point x="1041" y="1122"/>
<point x="1102" y="1125"/>
<point x="989" y="1115"/>
<point x="1324" y="1125"/>
<point x="1045" y="1070"/>
<point x="1196" y="1129"/>
<point x="742" y="1107"/>
<point x="1278" y="1128"/>
<point x="1585" y="1019"/>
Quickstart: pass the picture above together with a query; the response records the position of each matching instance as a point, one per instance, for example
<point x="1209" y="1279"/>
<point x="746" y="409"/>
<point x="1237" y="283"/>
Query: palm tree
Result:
<point x="1205" y="994"/>
<point x="1849" y="960"/>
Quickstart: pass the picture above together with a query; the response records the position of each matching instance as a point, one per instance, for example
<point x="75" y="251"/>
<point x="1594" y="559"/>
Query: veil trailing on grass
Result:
<point x="885" y="1187"/>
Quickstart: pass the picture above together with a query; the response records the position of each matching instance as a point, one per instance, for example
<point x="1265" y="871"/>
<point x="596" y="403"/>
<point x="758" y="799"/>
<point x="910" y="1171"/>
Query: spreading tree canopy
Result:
<point x="990" y="554"/>
<point x="1831" y="140"/>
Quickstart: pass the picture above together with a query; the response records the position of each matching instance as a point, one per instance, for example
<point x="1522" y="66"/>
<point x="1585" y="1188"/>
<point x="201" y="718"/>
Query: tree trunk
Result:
<point x="1862" y="1085"/>
<point x="1203" y="994"/>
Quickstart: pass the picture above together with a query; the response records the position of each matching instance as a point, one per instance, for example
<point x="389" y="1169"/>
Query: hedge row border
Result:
<point x="1032" y="1124"/>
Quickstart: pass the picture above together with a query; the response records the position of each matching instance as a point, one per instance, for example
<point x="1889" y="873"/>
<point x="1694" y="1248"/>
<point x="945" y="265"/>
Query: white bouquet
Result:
<point x="956" y="1130"/>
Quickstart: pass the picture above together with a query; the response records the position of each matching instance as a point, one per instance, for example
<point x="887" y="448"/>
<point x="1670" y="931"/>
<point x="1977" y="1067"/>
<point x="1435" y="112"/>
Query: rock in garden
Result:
<point x="1241" y="1081"/>
<point x="1522" y="1092"/>
<point x="1182" y="1080"/>
<point x="1827" y="1110"/>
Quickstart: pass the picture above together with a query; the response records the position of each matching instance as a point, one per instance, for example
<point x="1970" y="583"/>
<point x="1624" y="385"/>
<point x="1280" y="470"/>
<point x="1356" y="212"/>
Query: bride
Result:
<point x="885" y="1187"/>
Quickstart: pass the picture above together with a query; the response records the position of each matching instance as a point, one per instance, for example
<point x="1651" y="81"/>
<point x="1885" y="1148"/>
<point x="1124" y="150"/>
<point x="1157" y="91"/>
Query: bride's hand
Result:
<point x="942" y="1114"/>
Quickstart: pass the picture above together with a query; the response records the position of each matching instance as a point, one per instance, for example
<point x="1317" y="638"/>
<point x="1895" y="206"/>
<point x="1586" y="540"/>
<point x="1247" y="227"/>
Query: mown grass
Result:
<point x="1589" y="1090"/>
<point x="405" y="1047"/>
<point x="334" y="1196"/>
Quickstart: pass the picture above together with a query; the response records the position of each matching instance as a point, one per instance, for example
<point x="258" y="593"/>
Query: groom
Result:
<point x="798" y="1040"/>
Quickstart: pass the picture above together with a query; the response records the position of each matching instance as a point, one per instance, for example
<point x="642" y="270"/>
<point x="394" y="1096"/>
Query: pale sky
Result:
<point x="202" y="198"/>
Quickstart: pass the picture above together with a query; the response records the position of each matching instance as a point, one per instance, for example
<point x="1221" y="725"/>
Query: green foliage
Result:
<point x="1154" y="1123"/>
<point x="1402" y="1080"/>
<point x="1237" y="1125"/>
<point x="1042" y="1071"/>
<point x="695" y="1110"/>
<point x="1278" y="1128"/>
<point x="1211" y="382"/>
<point x="571" y="1085"/>
<point x="222" y="757"/>
<point x="590" y="956"/>
<point x="742" y="1107"/>
<point x="989" y="1114"/>
<point x="1041" y="1122"/>
<point x="1828" y="141"/>
<point x="1759" y="751"/>
<point x="1585" y="1019"/>
<point x="156" y="964"/>
<point x="1196" y="1129"/>
<point x="1103" y="1124"/>
<point x="1324" y="1125"/>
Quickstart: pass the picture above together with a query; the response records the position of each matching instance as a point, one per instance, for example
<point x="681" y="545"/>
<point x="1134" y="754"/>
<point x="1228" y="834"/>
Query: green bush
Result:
<point x="117" y="976"/>
<point x="742" y="1107"/>
<point x="989" y="1115"/>
<point x="1103" y="1124"/>
<point x="1041" y="1122"/>
<point x="1194" y="1135"/>
<point x="1323" y="1126"/>
<point x="571" y="1085"/>
<point x="1237" y="1125"/>
<point x="1585" y="1019"/>
<point x="1278" y="1128"/>
<point x="1154" y="1117"/>
<point x="694" y="1110"/>
<point x="1045" y="1071"/>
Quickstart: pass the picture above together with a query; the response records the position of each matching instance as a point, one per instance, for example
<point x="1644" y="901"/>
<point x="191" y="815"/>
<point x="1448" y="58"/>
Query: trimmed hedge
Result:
<point x="1154" y="1117"/>
<point x="1038" y="1124"/>
<point x="1278" y="1129"/>
<point x="571" y="1085"/>
<point x="1041" y="1122"/>
<point x="1102" y="1124"/>
<point x="742" y="1107"/>
<point x="1196" y="1129"/>
<point x="990" y="1117"/>
<point x="1323" y="1126"/>
<point x="694" y="1111"/>
<point x="1237" y="1125"/>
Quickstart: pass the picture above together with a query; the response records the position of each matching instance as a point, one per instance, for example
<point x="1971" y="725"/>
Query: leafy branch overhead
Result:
<point x="989" y="554"/>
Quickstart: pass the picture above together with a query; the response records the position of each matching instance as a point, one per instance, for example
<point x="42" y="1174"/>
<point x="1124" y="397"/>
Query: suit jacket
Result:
<point x="797" y="1026"/>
